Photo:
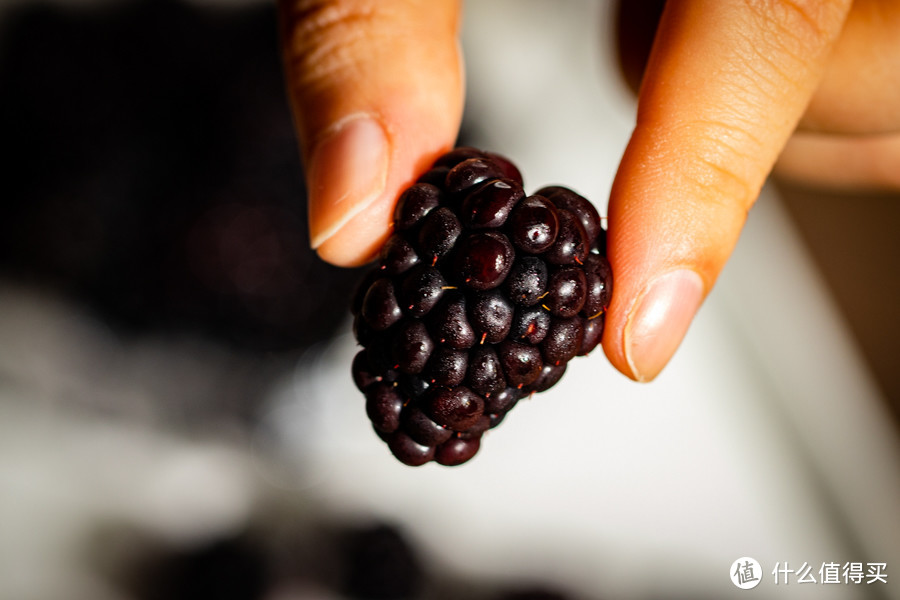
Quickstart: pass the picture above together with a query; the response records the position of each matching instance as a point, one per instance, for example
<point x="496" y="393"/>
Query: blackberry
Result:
<point x="480" y="297"/>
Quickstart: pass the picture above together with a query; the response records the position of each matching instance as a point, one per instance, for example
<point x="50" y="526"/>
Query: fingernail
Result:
<point x="347" y="172"/>
<point x="660" y="320"/>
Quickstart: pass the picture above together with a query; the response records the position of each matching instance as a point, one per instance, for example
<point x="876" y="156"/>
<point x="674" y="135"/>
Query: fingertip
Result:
<point x="714" y="113"/>
<point x="359" y="240"/>
<point x="377" y="93"/>
<point x="658" y="321"/>
<point x="412" y="149"/>
<point x="347" y="173"/>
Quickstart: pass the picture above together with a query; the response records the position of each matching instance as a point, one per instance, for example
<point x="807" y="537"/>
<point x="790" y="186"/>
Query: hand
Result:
<point x="377" y="93"/>
<point x="377" y="89"/>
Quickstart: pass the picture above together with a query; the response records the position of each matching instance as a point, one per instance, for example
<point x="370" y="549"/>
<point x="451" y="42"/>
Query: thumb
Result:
<point x="376" y="89"/>
<point x="725" y="86"/>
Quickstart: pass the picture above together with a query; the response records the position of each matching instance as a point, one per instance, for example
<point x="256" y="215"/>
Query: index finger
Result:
<point x="726" y="85"/>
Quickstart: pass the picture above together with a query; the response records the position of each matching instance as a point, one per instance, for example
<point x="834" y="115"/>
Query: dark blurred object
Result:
<point x="283" y="558"/>
<point x="534" y="594"/>
<point x="378" y="563"/>
<point x="226" y="569"/>
<point x="151" y="172"/>
<point x="635" y="29"/>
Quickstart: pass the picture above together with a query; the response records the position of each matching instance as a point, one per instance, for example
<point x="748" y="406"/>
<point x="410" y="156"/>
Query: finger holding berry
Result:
<point x="376" y="88"/>
<point x="730" y="89"/>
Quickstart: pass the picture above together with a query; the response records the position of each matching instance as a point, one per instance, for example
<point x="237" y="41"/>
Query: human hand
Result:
<point x="377" y="90"/>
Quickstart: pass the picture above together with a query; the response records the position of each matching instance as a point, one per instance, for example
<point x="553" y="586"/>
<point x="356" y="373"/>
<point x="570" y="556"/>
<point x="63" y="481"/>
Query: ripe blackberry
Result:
<point x="480" y="297"/>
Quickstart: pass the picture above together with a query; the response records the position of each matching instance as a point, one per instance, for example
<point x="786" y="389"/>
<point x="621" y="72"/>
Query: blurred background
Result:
<point x="177" y="418"/>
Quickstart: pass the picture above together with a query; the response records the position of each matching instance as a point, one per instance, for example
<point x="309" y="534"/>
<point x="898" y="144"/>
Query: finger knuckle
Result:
<point x="721" y="169"/>
<point x="324" y="37"/>
<point x="803" y="22"/>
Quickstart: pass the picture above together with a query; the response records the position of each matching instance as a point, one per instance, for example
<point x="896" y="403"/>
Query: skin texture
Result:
<point x="730" y="89"/>
<point x="395" y="62"/>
